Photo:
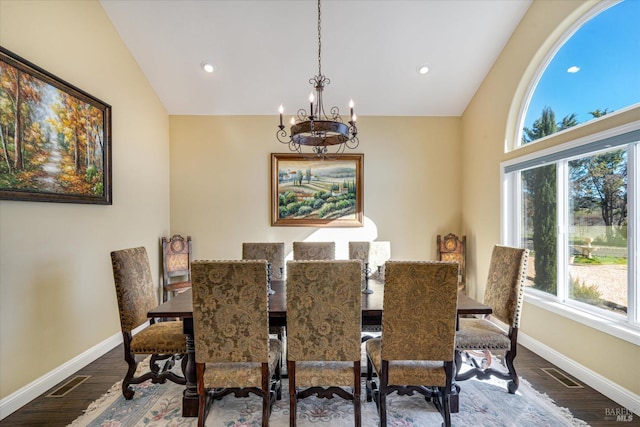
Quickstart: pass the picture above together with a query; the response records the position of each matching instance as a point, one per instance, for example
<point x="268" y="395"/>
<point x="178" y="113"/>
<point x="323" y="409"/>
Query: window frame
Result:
<point x="628" y="135"/>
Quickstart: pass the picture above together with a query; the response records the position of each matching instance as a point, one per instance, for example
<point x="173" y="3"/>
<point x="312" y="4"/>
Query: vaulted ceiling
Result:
<point x="265" y="52"/>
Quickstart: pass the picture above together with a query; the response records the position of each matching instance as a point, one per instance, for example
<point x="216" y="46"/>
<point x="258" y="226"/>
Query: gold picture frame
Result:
<point x="316" y="192"/>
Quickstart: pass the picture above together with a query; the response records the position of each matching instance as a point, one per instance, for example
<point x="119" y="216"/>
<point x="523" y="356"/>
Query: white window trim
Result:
<point x="609" y="323"/>
<point x="619" y="328"/>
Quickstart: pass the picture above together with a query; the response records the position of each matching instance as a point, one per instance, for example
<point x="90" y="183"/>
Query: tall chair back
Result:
<point x="272" y="252"/>
<point x="323" y="331"/>
<point x="415" y="354"/>
<point x="314" y="250"/>
<point x="233" y="351"/>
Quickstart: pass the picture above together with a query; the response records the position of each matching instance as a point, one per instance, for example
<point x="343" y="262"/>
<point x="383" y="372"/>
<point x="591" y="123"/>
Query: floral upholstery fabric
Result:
<point x="160" y="338"/>
<point x="359" y="250"/>
<point x="323" y="310"/>
<point x="504" y="294"/>
<point x="272" y="252"/>
<point x="407" y="371"/>
<point x="239" y="375"/>
<point x="135" y="290"/>
<point x="420" y="310"/>
<point x="504" y="291"/>
<point x="314" y="250"/>
<point x="177" y="262"/>
<point x="323" y="321"/>
<point x="230" y="314"/>
<point x="324" y="374"/>
<point x="480" y="334"/>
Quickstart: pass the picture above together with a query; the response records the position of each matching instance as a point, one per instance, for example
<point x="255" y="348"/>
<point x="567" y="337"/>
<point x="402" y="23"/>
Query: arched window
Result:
<point x="593" y="73"/>
<point x="574" y="202"/>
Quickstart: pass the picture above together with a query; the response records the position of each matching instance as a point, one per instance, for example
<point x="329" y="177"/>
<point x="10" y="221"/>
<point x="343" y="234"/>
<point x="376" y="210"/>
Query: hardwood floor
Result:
<point x="584" y="403"/>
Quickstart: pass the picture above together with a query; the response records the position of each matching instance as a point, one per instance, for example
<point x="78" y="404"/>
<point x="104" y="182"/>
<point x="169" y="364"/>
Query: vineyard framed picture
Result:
<point x="55" y="139"/>
<point x="315" y="192"/>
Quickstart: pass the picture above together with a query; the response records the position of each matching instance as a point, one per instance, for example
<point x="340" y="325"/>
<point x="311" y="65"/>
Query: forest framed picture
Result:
<point x="55" y="139"/>
<point x="316" y="192"/>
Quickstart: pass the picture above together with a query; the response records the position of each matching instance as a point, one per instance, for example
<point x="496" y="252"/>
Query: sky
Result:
<point x="597" y="68"/>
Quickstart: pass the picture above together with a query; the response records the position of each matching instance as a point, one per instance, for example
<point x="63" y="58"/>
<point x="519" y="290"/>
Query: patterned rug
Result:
<point x="482" y="403"/>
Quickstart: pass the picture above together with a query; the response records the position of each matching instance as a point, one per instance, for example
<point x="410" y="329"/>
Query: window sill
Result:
<point x="621" y="329"/>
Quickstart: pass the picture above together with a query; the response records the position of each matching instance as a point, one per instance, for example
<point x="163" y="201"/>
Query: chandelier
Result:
<point x="326" y="135"/>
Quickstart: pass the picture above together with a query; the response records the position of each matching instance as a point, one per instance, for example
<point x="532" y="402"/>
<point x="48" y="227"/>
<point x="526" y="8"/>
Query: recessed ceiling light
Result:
<point x="208" y="67"/>
<point x="423" y="69"/>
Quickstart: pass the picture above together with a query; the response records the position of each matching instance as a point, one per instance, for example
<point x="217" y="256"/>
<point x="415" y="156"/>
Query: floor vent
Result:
<point x="65" y="388"/>
<point x="562" y="378"/>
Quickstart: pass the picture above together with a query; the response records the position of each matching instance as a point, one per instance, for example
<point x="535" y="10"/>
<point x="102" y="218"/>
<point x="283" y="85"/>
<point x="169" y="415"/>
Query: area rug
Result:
<point x="482" y="403"/>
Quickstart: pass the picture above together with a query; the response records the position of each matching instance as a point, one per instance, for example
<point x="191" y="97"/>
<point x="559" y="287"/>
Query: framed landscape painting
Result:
<point x="316" y="192"/>
<point x="55" y="139"/>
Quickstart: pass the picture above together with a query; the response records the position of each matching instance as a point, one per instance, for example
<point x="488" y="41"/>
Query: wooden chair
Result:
<point x="323" y="331"/>
<point x="136" y="295"/>
<point x="233" y="350"/>
<point x="452" y="248"/>
<point x="416" y="350"/>
<point x="314" y="250"/>
<point x="504" y="294"/>
<point x="176" y="265"/>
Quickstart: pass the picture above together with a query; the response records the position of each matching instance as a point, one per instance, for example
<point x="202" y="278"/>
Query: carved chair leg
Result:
<point x="291" y="369"/>
<point x="382" y="394"/>
<point x="127" y="391"/>
<point x="369" y="387"/>
<point x="446" y="406"/>
<point x="357" y="412"/>
<point x="458" y="363"/>
<point x="512" y="385"/>
<point x="279" y="380"/>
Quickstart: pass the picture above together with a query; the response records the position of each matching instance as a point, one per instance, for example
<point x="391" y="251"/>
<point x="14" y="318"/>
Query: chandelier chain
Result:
<point x="319" y="42"/>
<point x="315" y="129"/>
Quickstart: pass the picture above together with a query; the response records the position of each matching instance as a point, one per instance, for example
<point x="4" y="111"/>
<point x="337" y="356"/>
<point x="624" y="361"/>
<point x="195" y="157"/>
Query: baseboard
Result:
<point x="26" y="394"/>
<point x="625" y="398"/>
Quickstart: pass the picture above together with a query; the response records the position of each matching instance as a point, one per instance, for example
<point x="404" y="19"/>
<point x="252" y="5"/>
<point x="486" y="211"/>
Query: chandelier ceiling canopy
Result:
<point x="326" y="135"/>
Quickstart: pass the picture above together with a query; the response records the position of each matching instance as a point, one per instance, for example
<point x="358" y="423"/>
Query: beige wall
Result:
<point x="221" y="184"/>
<point x="57" y="296"/>
<point x="488" y="125"/>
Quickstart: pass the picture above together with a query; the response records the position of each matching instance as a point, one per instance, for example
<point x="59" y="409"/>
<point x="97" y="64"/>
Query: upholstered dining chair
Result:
<point x="416" y="350"/>
<point x="504" y="294"/>
<point x="323" y="331"/>
<point x="272" y="252"/>
<point x="176" y="265"/>
<point x="233" y="350"/>
<point x="314" y="250"/>
<point x="137" y="295"/>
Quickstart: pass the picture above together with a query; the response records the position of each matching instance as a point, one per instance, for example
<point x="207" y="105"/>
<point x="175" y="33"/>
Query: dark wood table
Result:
<point x="181" y="306"/>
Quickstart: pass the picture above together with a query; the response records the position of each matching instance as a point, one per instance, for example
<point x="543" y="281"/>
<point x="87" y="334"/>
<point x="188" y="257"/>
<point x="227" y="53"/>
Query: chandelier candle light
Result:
<point x="316" y="129"/>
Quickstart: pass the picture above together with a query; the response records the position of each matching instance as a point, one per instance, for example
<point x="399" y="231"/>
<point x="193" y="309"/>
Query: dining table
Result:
<point x="181" y="306"/>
